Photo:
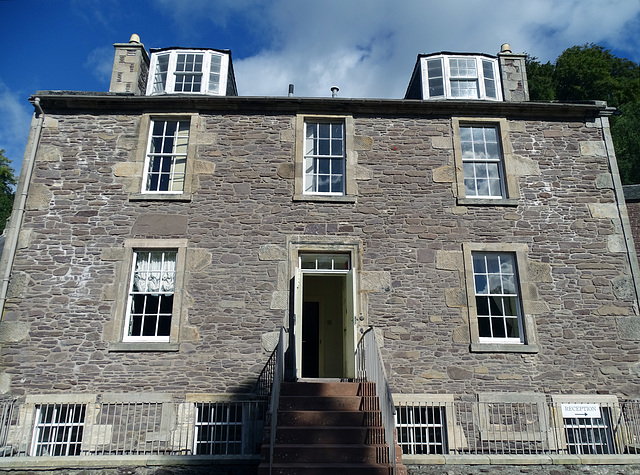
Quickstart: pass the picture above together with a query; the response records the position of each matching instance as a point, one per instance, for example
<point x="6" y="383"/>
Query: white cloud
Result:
<point x="100" y="62"/>
<point x="15" y="117"/>
<point x="368" y="47"/>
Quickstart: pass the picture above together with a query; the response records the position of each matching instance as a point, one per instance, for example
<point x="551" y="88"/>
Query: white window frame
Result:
<point x="588" y="426"/>
<point x="233" y="422"/>
<point x="209" y="58"/>
<point x="447" y="77"/>
<point x="512" y="294"/>
<point x="528" y="338"/>
<point x="128" y="319"/>
<point x="176" y="156"/>
<point x="507" y="168"/>
<point x="482" y="158"/>
<point x="609" y="413"/>
<point x="453" y="436"/>
<point x="333" y="263"/>
<point x="414" y="429"/>
<point x="59" y="433"/>
<point x="310" y="179"/>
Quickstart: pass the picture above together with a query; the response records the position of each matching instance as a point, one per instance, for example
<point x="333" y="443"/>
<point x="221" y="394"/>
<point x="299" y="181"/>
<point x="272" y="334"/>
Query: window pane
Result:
<point x="324" y="166"/>
<point x="484" y="328"/>
<point x="164" y="325"/>
<point x="509" y="284"/>
<point x="492" y="170"/>
<point x="324" y="130"/>
<point x="507" y="264"/>
<point x="479" y="266"/>
<point x="323" y="147"/>
<point x="469" y="187"/>
<point x="337" y="166"/>
<point x="324" y="175"/>
<point x="482" y="305"/>
<point x="495" y="284"/>
<point x="436" y="87"/>
<point x="337" y="185"/>
<point x="495" y="187"/>
<point x="323" y="184"/>
<point x="336" y="147"/>
<point x="510" y="306"/>
<point x="493" y="263"/>
<point x="149" y="326"/>
<point x="497" y="327"/>
<point x="481" y="284"/>
<point x="492" y="151"/>
<point x="336" y="131"/>
<point x="513" y="330"/>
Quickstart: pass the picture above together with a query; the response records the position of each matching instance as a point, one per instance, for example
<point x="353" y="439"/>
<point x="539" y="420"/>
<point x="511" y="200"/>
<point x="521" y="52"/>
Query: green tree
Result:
<point x="591" y="72"/>
<point x="7" y="193"/>
<point x="625" y="131"/>
<point x="540" y="79"/>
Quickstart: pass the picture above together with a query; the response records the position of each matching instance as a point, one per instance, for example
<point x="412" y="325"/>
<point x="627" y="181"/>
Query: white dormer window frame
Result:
<point x="461" y="77"/>
<point x="187" y="71"/>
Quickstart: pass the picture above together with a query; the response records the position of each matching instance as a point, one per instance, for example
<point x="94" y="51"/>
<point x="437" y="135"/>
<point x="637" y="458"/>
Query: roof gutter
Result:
<point x="20" y="201"/>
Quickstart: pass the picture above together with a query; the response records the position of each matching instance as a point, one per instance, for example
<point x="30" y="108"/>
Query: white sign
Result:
<point x="581" y="410"/>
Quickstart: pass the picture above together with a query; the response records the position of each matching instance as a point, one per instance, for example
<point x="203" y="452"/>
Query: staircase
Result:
<point x="328" y="428"/>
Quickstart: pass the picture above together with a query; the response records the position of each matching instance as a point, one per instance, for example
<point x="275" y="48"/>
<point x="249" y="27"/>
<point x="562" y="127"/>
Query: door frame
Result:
<point x="298" y="245"/>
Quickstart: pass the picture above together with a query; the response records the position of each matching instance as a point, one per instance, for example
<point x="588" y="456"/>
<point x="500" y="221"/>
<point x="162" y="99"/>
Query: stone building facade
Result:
<point x="404" y="236"/>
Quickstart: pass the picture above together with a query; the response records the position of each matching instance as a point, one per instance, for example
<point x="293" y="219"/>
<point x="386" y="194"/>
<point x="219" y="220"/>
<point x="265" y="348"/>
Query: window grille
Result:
<point x="58" y="429"/>
<point x="590" y="436"/>
<point x="421" y="429"/>
<point x="218" y="429"/>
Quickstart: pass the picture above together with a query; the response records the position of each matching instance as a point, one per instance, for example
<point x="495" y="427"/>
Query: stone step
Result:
<point x="321" y="403"/>
<point x="320" y="389"/>
<point x="329" y="418"/>
<point x="329" y="435"/>
<point x="325" y="468"/>
<point x="321" y="453"/>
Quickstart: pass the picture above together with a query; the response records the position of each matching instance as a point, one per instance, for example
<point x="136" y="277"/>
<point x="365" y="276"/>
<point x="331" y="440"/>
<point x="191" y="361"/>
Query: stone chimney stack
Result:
<point x="130" y="67"/>
<point x="514" y="75"/>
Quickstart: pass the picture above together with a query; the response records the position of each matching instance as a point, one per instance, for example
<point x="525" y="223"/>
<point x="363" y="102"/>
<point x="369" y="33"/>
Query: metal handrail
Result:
<point x="370" y="368"/>
<point x="278" y="377"/>
<point x="265" y="378"/>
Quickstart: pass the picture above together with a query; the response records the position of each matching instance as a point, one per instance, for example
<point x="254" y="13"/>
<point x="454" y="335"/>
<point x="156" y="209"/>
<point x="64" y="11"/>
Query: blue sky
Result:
<point x="366" y="47"/>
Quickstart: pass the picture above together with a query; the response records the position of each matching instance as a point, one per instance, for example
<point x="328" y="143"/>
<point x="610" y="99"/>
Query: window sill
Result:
<point x="326" y="198"/>
<point x="487" y="202"/>
<point x="143" y="346"/>
<point x="185" y="197"/>
<point x="503" y="348"/>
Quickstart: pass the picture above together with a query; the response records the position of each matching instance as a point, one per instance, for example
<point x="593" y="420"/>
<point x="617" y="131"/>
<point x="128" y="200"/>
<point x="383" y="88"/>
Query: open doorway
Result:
<point x="324" y="328"/>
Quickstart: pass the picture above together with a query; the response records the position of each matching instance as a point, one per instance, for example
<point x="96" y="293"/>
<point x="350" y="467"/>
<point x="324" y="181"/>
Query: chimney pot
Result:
<point x="505" y="48"/>
<point x="134" y="39"/>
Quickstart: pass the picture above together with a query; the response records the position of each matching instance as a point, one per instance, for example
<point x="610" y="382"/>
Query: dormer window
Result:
<point x="188" y="72"/>
<point x="460" y="77"/>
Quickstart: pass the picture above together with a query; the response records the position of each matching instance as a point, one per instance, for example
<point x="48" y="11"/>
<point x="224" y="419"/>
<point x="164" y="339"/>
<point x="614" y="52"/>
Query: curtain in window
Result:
<point x="155" y="272"/>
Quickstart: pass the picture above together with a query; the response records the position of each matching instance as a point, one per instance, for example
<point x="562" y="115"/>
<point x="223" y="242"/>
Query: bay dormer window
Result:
<point x="185" y="71"/>
<point x="456" y="76"/>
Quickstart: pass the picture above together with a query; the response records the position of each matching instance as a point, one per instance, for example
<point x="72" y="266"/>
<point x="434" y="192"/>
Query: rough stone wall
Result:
<point x="633" y="209"/>
<point x="79" y="214"/>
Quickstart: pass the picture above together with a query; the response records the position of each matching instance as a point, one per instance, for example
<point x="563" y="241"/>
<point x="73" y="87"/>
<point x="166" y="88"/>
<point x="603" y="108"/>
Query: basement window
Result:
<point x="58" y="430"/>
<point x="218" y="429"/>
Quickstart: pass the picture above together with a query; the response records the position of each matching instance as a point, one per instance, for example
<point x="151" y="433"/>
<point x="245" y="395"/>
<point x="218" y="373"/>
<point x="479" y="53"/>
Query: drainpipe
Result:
<point x="19" y="203"/>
